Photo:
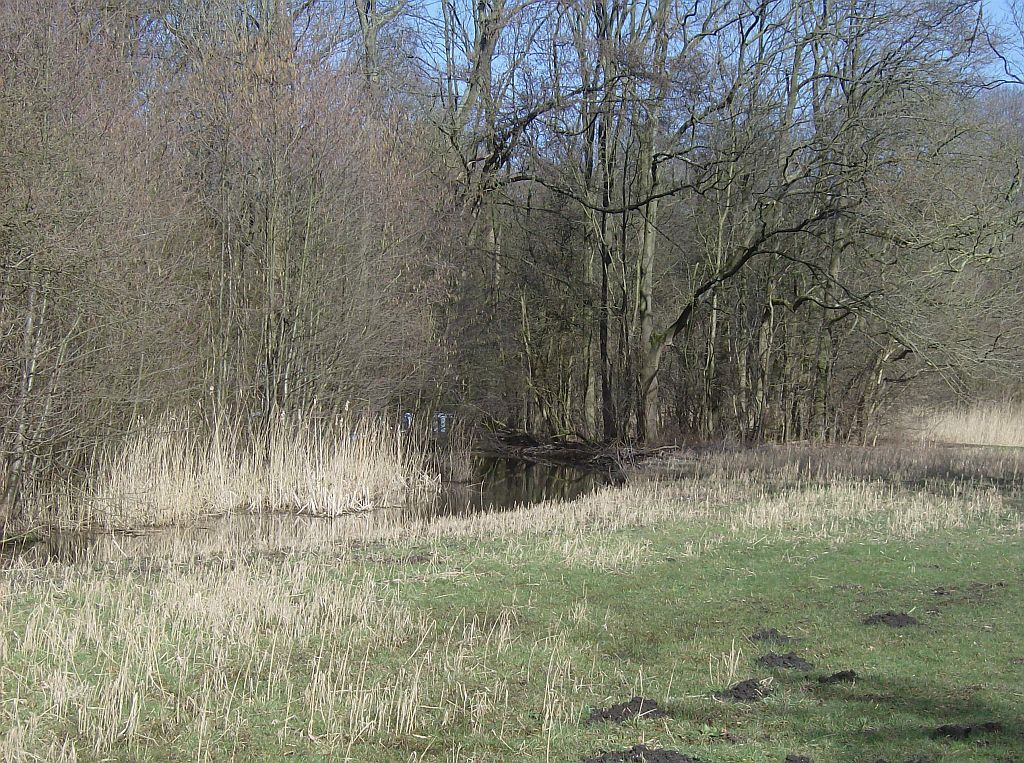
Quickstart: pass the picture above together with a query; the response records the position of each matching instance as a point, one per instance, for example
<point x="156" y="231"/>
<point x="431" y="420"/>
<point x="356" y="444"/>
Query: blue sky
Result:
<point x="998" y="8"/>
<point x="999" y="11"/>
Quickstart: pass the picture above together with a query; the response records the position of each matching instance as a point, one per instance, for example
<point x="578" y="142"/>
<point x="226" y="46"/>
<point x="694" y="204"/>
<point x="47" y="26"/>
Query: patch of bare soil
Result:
<point x="642" y="754"/>
<point x="788" y="661"/>
<point x="724" y="736"/>
<point x="971" y="594"/>
<point x="891" y="619"/>
<point x="848" y="587"/>
<point x="638" y="707"/>
<point x="411" y="557"/>
<point x="751" y="690"/>
<point x="382" y="554"/>
<point x="842" y="677"/>
<point x="771" y="634"/>
<point x="958" y="732"/>
<point x="797" y="759"/>
<point x="874" y="699"/>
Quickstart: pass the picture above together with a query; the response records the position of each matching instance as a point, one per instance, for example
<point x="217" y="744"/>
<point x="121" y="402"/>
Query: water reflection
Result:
<point x="504" y="483"/>
<point x="499" y="484"/>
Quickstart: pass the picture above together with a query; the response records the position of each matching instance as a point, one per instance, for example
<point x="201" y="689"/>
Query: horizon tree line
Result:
<point x="625" y="220"/>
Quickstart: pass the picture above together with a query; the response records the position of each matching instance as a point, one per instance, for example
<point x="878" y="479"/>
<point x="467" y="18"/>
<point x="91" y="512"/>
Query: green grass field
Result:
<point x="492" y="638"/>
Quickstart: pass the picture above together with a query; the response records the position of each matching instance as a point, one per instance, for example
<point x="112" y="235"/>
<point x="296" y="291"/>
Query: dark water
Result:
<point x="498" y="484"/>
<point x="504" y="483"/>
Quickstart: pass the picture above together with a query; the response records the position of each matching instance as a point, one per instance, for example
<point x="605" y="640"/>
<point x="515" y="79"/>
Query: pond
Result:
<point x="498" y="484"/>
<point x="503" y="483"/>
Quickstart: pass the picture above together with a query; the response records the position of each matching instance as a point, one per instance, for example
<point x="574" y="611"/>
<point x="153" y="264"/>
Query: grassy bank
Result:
<point x="491" y="638"/>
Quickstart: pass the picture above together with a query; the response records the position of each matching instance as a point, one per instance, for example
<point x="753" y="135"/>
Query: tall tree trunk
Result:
<point x="649" y="407"/>
<point x="823" y="359"/>
<point x="17" y="458"/>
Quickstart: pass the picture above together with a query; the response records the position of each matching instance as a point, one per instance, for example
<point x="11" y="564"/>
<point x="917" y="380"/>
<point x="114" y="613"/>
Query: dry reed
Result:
<point x="170" y="472"/>
<point x="300" y="634"/>
<point x="989" y="424"/>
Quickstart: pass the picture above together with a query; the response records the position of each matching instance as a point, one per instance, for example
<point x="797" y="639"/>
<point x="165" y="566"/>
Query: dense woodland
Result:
<point x="625" y="220"/>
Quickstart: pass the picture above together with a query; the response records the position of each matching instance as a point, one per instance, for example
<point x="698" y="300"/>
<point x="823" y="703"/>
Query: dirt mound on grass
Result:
<point x="842" y="677"/>
<point x="788" y="661"/>
<point x="638" y="707"/>
<point x="770" y="634"/>
<point x="891" y="618"/>
<point x="955" y="731"/>
<point x="751" y="690"/>
<point x="642" y="754"/>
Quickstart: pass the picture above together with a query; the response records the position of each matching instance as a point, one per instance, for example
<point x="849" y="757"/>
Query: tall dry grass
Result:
<point x="919" y="465"/>
<point x="985" y="424"/>
<point x="776" y="492"/>
<point x="171" y="471"/>
<point x="208" y="638"/>
<point x="243" y="662"/>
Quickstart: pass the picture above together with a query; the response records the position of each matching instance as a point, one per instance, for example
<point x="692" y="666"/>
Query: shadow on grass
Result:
<point x="898" y="719"/>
